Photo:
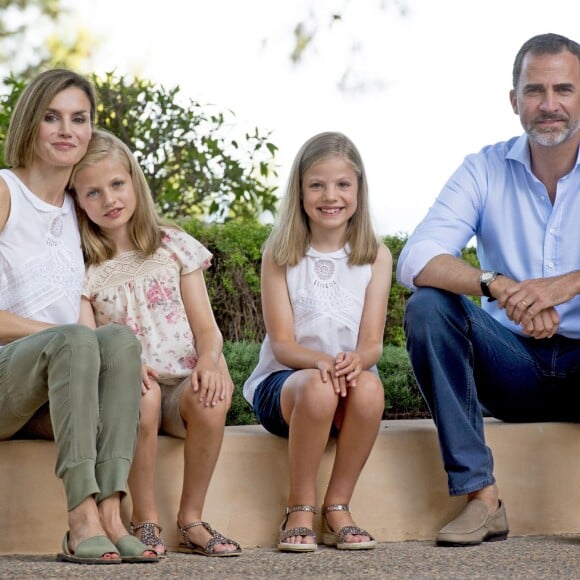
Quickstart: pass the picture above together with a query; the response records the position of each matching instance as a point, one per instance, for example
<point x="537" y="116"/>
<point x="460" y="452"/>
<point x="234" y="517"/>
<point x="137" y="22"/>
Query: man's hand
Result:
<point x="531" y="304"/>
<point x="542" y="325"/>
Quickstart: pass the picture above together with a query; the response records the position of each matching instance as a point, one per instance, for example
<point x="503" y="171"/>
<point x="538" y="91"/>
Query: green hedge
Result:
<point x="233" y="281"/>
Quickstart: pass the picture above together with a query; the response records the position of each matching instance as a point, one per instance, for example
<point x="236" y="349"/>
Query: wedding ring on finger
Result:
<point x="524" y="304"/>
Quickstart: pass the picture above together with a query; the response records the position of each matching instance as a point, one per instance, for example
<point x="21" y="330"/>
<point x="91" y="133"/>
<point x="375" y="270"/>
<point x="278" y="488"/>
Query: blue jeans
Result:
<point x="467" y="364"/>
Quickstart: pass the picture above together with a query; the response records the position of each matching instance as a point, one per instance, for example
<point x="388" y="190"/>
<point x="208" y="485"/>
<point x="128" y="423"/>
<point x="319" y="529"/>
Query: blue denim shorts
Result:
<point x="267" y="403"/>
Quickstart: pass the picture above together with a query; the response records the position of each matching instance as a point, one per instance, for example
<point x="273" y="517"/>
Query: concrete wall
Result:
<point x="402" y="493"/>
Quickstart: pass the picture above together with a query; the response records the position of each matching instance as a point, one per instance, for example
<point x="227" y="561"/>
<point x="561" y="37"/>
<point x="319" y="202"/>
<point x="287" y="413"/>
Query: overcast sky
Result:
<point x="437" y="79"/>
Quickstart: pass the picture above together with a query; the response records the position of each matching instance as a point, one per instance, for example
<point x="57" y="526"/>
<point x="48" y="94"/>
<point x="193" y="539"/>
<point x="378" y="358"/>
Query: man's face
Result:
<point x="547" y="98"/>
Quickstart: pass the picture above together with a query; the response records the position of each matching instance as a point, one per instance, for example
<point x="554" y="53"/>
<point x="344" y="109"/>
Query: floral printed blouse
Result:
<point x="144" y="293"/>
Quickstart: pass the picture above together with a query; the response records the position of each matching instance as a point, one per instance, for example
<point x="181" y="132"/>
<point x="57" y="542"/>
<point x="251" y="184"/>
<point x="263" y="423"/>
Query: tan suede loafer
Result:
<point x="474" y="525"/>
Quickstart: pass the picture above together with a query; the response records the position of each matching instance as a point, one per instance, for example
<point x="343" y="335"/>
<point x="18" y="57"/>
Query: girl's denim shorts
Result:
<point x="267" y="403"/>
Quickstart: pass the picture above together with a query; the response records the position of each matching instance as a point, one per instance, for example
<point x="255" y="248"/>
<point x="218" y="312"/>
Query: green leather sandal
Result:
<point x="89" y="551"/>
<point x="133" y="551"/>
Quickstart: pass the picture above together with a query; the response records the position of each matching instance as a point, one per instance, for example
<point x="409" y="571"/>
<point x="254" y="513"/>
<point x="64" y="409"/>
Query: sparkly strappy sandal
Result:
<point x="302" y="531"/>
<point x="330" y="538"/>
<point x="188" y="547"/>
<point x="150" y="536"/>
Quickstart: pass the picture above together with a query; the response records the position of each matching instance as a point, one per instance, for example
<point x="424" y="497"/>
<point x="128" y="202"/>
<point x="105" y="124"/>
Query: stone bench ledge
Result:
<point x="401" y="495"/>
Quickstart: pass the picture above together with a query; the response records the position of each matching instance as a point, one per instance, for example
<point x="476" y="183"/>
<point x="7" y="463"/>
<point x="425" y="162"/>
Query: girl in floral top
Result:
<point x="148" y="275"/>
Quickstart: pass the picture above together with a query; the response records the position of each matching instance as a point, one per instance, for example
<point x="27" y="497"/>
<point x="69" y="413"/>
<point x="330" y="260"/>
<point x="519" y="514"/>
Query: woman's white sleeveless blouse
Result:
<point x="41" y="262"/>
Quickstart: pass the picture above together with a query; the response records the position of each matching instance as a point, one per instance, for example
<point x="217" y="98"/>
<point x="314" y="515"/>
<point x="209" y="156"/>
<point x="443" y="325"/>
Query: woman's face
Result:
<point x="65" y="129"/>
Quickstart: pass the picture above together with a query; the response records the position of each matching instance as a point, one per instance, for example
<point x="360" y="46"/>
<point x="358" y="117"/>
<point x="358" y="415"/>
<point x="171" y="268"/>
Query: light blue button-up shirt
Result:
<point x="495" y="197"/>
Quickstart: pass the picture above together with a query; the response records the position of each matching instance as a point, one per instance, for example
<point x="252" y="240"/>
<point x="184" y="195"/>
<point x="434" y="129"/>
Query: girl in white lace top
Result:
<point x="148" y="275"/>
<point x="325" y="286"/>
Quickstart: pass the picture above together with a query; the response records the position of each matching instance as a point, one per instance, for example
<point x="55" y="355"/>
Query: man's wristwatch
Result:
<point x="485" y="279"/>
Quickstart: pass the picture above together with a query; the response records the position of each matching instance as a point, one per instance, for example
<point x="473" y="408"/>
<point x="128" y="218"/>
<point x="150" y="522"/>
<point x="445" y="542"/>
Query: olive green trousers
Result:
<point x="91" y="380"/>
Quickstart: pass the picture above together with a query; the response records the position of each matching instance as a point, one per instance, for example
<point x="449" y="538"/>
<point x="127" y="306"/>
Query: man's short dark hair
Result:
<point x="543" y="44"/>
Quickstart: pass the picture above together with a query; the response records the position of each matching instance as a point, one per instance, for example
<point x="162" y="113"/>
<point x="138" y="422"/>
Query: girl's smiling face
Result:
<point x="330" y="194"/>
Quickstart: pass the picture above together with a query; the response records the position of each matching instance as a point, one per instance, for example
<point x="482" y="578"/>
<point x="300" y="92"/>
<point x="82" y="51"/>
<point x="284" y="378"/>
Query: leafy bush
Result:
<point x="197" y="162"/>
<point x="403" y="399"/>
<point x="233" y="280"/>
<point x="394" y="333"/>
<point x="241" y="357"/>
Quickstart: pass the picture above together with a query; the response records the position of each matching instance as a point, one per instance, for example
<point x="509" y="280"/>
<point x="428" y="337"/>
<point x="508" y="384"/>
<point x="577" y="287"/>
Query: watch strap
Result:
<point x="485" y="284"/>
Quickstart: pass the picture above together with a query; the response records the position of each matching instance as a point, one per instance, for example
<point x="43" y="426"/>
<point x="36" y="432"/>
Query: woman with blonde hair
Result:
<point x="90" y="379"/>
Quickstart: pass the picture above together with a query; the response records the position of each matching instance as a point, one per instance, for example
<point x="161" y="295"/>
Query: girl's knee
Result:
<point x="316" y="397"/>
<point x="194" y="410"/>
<point x="369" y="394"/>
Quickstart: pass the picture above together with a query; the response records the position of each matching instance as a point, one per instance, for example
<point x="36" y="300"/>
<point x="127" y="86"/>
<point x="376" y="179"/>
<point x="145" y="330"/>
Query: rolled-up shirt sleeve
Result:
<point x="414" y="258"/>
<point x="449" y="225"/>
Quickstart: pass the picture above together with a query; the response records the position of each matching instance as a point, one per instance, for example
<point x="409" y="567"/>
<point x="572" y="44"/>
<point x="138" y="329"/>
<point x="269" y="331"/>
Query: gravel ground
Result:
<point x="531" y="557"/>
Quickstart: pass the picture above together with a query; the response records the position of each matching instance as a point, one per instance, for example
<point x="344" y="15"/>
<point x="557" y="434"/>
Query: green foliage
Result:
<point x="469" y="254"/>
<point x="8" y="99"/>
<point x="403" y="399"/>
<point x="394" y="333"/>
<point x="195" y="166"/>
<point x="241" y="357"/>
<point x="233" y="280"/>
<point x="193" y="162"/>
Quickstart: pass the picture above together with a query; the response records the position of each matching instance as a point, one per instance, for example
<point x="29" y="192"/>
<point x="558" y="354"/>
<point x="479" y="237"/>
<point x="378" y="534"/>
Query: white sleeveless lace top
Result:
<point x="41" y="262"/>
<point x="327" y="297"/>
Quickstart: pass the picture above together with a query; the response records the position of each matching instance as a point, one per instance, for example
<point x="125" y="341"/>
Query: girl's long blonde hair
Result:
<point x="145" y="224"/>
<point x="290" y="237"/>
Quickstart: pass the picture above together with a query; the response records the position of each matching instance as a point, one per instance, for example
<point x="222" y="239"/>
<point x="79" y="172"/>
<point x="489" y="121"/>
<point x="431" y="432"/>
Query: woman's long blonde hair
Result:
<point x="290" y="237"/>
<point x="145" y="224"/>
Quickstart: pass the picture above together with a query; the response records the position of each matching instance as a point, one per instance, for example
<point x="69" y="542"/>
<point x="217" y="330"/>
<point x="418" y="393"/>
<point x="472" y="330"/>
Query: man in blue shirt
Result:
<point x="517" y="357"/>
